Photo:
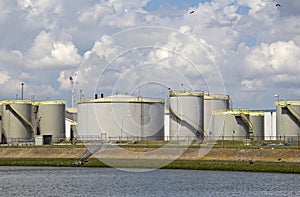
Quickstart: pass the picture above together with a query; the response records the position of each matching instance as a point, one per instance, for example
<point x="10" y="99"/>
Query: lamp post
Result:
<point x="123" y="124"/>
<point x="22" y="91"/>
<point x="277" y="96"/>
<point x="73" y="91"/>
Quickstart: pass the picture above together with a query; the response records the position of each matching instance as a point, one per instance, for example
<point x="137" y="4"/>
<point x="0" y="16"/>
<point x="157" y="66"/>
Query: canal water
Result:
<point x="61" y="181"/>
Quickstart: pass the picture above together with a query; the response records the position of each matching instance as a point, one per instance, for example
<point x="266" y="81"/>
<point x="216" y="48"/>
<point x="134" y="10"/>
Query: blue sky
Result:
<point x="247" y="49"/>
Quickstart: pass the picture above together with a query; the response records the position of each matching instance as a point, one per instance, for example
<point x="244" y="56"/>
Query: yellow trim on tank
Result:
<point x="71" y="110"/>
<point x="73" y="123"/>
<point x="121" y="100"/>
<point x="285" y="103"/>
<point x="185" y="93"/>
<point x="53" y="102"/>
<point x="231" y="111"/>
<point x="257" y="113"/>
<point x="216" y="97"/>
<point x="5" y="102"/>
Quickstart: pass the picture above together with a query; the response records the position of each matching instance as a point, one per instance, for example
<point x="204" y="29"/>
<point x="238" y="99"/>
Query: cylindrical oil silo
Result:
<point x="288" y="119"/>
<point x="1" y="118"/>
<point x="186" y="115"/>
<point x="213" y="102"/>
<point x="121" y="117"/>
<point x="233" y="124"/>
<point x="50" y="119"/>
<point x="16" y="121"/>
<point x="258" y="123"/>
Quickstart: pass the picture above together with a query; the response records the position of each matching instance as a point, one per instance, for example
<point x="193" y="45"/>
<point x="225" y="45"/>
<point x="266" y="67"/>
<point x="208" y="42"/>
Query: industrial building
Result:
<point x="121" y="117"/>
<point x="71" y="123"/>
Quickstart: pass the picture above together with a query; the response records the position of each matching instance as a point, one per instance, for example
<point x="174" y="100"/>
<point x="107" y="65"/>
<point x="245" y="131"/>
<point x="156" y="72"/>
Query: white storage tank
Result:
<point x="288" y="119"/>
<point x="233" y="124"/>
<point x="270" y="125"/>
<point x="213" y="102"/>
<point x="121" y="117"/>
<point x="257" y="120"/>
<point x="186" y="115"/>
<point x="16" y="121"/>
<point x="50" y="119"/>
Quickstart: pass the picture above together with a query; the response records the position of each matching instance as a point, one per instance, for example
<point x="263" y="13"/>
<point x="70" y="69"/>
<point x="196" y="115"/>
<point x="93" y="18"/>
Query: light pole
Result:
<point x="123" y="124"/>
<point x="277" y="96"/>
<point x="73" y="91"/>
<point x="22" y="91"/>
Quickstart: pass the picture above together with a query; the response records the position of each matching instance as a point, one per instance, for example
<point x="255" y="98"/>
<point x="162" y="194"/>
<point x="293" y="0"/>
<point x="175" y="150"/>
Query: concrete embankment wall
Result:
<point x="281" y="155"/>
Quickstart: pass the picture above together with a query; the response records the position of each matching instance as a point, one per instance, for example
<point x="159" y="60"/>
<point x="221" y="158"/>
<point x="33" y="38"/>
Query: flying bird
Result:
<point x="192" y="12"/>
<point x="278" y="5"/>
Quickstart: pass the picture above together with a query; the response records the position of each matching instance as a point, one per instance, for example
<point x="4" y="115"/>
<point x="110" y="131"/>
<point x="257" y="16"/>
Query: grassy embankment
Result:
<point x="226" y="147"/>
<point x="258" y="166"/>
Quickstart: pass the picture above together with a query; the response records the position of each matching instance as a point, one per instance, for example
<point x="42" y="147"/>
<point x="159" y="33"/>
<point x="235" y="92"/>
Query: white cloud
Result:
<point x="252" y="85"/>
<point x="4" y="77"/>
<point x="48" y="51"/>
<point x="278" y="57"/>
<point x="37" y="7"/>
<point x="256" y="51"/>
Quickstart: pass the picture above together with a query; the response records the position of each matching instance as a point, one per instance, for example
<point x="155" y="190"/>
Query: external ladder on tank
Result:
<point x="247" y="122"/>
<point x="196" y="127"/>
<point x="27" y="124"/>
<point x="292" y="111"/>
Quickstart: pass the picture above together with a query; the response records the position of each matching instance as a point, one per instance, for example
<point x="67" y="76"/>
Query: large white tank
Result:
<point x="186" y="115"/>
<point x="50" y="119"/>
<point x="213" y="102"/>
<point x="257" y="120"/>
<point x="16" y="121"/>
<point x="270" y="125"/>
<point x="232" y="124"/>
<point x="288" y="118"/>
<point x="121" y="117"/>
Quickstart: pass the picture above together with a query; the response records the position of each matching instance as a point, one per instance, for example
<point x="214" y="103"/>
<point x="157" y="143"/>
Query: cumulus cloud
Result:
<point x="4" y="77"/>
<point x="48" y="52"/>
<point x="116" y="13"/>
<point x="253" y="44"/>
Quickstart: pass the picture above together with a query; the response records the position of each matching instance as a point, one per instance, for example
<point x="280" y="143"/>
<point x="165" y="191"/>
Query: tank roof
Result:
<point x="232" y="111"/>
<point x="122" y="99"/>
<point x="257" y="113"/>
<point x="16" y="102"/>
<point x="216" y="97"/>
<point x="71" y="110"/>
<point x="284" y="103"/>
<point x="186" y="93"/>
<point x="46" y="102"/>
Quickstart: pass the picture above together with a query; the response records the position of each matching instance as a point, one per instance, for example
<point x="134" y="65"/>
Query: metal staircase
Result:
<point x="92" y="150"/>
<point x="248" y="123"/>
<point x="25" y="122"/>
<point x="196" y="129"/>
<point x="292" y="111"/>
